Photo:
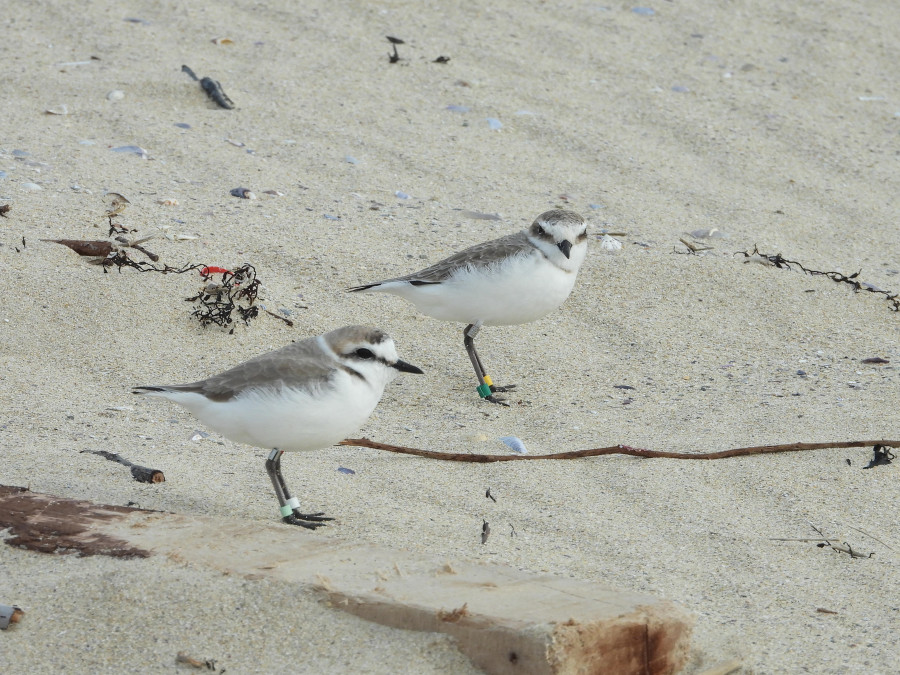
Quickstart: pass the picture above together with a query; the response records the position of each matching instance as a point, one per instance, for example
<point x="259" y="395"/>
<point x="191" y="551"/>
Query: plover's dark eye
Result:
<point x="364" y="353"/>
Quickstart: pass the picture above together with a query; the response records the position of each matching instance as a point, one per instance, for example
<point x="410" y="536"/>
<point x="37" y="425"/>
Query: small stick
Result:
<point x="615" y="450"/>
<point x="139" y="473"/>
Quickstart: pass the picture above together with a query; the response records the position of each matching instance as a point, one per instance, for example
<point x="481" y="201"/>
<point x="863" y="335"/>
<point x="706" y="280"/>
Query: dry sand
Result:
<point x="775" y="122"/>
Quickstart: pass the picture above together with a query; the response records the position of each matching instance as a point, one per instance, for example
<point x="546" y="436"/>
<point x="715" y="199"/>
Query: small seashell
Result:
<point x="494" y="123"/>
<point x="136" y="149"/>
<point x="525" y="112"/>
<point x="182" y="125"/>
<point x="32" y="187"/>
<point x="117" y="203"/>
<point x="115" y="95"/>
<point x="401" y="195"/>
<point x="344" y="469"/>
<point x="708" y="233"/>
<point x="610" y="244"/>
<point x="222" y="41"/>
<point x="243" y="193"/>
<point x="171" y="201"/>
<point x="199" y="435"/>
<point x="515" y="444"/>
<point x="180" y="236"/>
<point x="350" y="159"/>
<point x="58" y="110"/>
<point x="237" y="144"/>
<point x="457" y="108"/>
<point x="643" y="11"/>
<point x="273" y="193"/>
<point x="87" y="142"/>
<point x="478" y="215"/>
<point x="680" y="89"/>
<point x="328" y="216"/>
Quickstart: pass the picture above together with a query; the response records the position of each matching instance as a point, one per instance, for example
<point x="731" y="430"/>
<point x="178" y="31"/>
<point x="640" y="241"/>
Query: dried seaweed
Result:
<point x="781" y="262"/>
<point x="236" y="293"/>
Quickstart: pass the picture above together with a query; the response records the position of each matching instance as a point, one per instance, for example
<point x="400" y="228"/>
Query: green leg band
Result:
<point x="286" y="511"/>
<point x="484" y="390"/>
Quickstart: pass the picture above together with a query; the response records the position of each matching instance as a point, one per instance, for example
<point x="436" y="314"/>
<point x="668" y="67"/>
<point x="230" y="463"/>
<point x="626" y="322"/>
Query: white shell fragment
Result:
<point x="58" y="110"/>
<point x="115" y="95"/>
<point x="610" y="244"/>
<point x="135" y="149"/>
<point x="708" y="233"/>
<point x="170" y="201"/>
<point x="515" y="444"/>
<point x="32" y="187"/>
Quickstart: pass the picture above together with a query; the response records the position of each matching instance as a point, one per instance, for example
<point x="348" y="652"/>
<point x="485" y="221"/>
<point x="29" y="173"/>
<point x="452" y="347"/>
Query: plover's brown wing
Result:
<point x="480" y="255"/>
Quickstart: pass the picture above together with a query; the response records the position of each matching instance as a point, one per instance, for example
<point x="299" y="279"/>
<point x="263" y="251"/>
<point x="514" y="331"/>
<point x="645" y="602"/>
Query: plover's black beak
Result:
<point x="565" y="246"/>
<point x="405" y="367"/>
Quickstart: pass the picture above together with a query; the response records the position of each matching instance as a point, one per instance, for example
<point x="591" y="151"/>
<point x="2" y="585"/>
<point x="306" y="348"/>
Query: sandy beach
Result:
<point x="769" y="125"/>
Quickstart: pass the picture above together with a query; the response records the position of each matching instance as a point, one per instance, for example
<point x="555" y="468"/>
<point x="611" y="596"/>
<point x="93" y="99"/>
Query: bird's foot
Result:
<point x="502" y="390"/>
<point x="308" y="520"/>
<point x="497" y="399"/>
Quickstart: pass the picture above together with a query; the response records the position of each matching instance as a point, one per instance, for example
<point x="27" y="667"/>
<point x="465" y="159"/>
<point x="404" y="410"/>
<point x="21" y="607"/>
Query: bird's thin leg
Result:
<point x="486" y="386"/>
<point x="290" y="507"/>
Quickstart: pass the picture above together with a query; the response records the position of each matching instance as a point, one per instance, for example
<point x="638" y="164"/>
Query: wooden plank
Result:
<point x="505" y="620"/>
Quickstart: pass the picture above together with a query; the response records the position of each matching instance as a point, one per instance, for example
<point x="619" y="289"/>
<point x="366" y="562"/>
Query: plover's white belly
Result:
<point x="522" y="289"/>
<point x="292" y="419"/>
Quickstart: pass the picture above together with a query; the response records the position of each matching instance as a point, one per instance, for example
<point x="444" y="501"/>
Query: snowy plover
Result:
<point x="307" y="395"/>
<point x="515" y="279"/>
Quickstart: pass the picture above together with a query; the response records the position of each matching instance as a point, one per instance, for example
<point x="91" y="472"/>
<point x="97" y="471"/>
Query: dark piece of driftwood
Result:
<point x="140" y="473"/>
<point x="616" y="450"/>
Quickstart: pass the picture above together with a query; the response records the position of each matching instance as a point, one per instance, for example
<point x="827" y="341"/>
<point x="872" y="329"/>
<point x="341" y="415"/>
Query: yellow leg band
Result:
<point x="488" y="381"/>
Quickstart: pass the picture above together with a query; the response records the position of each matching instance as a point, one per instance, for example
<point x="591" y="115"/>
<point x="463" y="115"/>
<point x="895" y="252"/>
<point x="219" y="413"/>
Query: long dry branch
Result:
<point x="616" y="450"/>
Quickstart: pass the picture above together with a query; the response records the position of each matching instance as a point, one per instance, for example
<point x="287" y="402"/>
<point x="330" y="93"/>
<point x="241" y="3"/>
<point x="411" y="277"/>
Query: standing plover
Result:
<point x="515" y="279"/>
<point x="307" y="395"/>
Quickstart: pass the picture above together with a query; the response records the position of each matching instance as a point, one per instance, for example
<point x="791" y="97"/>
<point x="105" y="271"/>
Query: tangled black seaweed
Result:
<point x="781" y="262"/>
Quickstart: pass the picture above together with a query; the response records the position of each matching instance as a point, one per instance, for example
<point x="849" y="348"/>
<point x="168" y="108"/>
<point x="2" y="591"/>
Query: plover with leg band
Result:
<point x="305" y="396"/>
<point x="515" y="279"/>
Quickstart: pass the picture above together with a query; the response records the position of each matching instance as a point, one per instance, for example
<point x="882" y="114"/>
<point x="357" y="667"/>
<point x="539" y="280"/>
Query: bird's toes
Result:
<point x="497" y="399"/>
<point x="312" y="517"/>
<point x="502" y="390"/>
<point x="291" y="520"/>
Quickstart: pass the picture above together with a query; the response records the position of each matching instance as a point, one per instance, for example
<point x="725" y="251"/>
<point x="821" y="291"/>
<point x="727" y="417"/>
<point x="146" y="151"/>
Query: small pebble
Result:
<point x="457" y="108"/>
<point x="680" y="89"/>
<point x="115" y="95"/>
<point x="350" y="159"/>
<point x="182" y="125"/>
<point x="328" y="216"/>
<point x="401" y="195"/>
<point x="58" y="110"/>
<point x="87" y="142"/>
<point x="32" y="187"/>
<point x="242" y="193"/>
<point x="344" y="469"/>
<point x="643" y="11"/>
<point x="494" y="123"/>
